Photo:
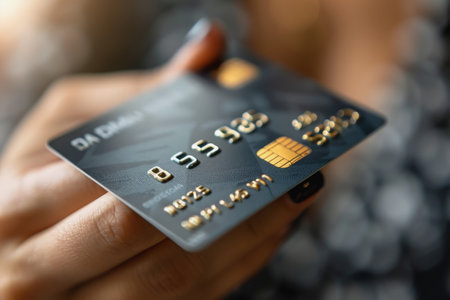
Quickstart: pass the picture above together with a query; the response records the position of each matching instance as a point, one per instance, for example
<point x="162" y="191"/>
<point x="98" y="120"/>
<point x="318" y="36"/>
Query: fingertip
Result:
<point x="205" y="44"/>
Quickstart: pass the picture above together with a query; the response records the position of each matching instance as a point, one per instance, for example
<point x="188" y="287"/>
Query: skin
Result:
<point x="349" y="46"/>
<point x="63" y="237"/>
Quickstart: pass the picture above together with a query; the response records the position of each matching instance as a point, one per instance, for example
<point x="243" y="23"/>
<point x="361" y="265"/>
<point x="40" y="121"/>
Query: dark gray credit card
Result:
<point x="197" y="156"/>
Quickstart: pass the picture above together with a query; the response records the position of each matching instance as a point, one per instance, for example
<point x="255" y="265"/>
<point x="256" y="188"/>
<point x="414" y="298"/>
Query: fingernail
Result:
<point x="307" y="188"/>
<point x="199" y="30"/>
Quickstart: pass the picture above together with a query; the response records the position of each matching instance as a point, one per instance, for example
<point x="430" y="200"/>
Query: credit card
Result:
<point x="197" y="156"/>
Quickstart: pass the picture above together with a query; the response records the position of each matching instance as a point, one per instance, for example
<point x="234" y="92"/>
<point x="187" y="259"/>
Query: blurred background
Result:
<point x="380" y="229"/>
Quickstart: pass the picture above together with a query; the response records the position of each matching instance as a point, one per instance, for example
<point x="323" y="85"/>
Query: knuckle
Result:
<point x="173" y="276"/>
<point x="118" y="227"/>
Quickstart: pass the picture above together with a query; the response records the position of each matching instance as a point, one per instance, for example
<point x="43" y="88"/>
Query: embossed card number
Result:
<point x="281" y="153"/>
<point x="197" y="156"/>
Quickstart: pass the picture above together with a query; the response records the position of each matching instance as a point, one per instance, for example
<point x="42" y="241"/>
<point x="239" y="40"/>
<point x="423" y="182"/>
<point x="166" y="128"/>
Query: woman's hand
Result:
<point x="63" y="237"/>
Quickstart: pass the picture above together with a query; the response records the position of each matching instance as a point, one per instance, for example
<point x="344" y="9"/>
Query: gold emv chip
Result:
<point x="283" y="152"/>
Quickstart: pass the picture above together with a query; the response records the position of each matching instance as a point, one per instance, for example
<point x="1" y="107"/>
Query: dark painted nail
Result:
<point x="307" y="188"/>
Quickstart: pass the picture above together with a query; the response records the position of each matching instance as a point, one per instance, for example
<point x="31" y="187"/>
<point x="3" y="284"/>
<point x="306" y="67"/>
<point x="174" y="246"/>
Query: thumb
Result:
<point x="205" y="44"/>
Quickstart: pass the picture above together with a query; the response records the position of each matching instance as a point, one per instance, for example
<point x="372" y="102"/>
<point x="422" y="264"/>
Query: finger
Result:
<point x="166" y="264"/>
<point x="173" y="280"/>
<point x="74" y="101"/>
<point x="273" y="218"/>
<point x="91" y="241"/>
<point x="238" y="272"/>
<point x="51" y="193"/>
<point x="206" y="43"/>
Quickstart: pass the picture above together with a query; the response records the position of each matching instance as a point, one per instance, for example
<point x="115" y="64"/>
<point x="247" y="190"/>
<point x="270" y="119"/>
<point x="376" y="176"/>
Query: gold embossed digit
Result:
<point x="194" y="195"/>
<point x="182" y="158"/>
<point x="192" y="223"/>
<point x="243" y="125"/>
<point x="267" y="177"/>
<point x="202" y="189"/>
<point x="348" y="114"/>
<point x="330" y="132"/>
<point x="239" y="195"/>
<point x="203" y="146"/>
<point x="187" y="199"/>
<point x="226" y="204"/>
<point x="258" y="118"/>
<point x="207" y="213"/>
<point x="304" y="120"/>
<point x="326" y="131"/>
<point x="160" y="174"/>
<point x="226" y="132"/>
<point x="179" y="204"/>
<point x="171" y="210"/>
<point x="254" y="185"/>
<point x="314" y="137"/>
<point x="334" y="123"/>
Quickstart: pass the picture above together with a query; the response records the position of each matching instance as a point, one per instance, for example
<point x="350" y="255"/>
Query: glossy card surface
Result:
<point x="197" y="156"/>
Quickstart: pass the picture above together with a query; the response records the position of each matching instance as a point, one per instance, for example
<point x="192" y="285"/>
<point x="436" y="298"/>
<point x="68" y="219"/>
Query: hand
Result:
<point x="63" y="237"/>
